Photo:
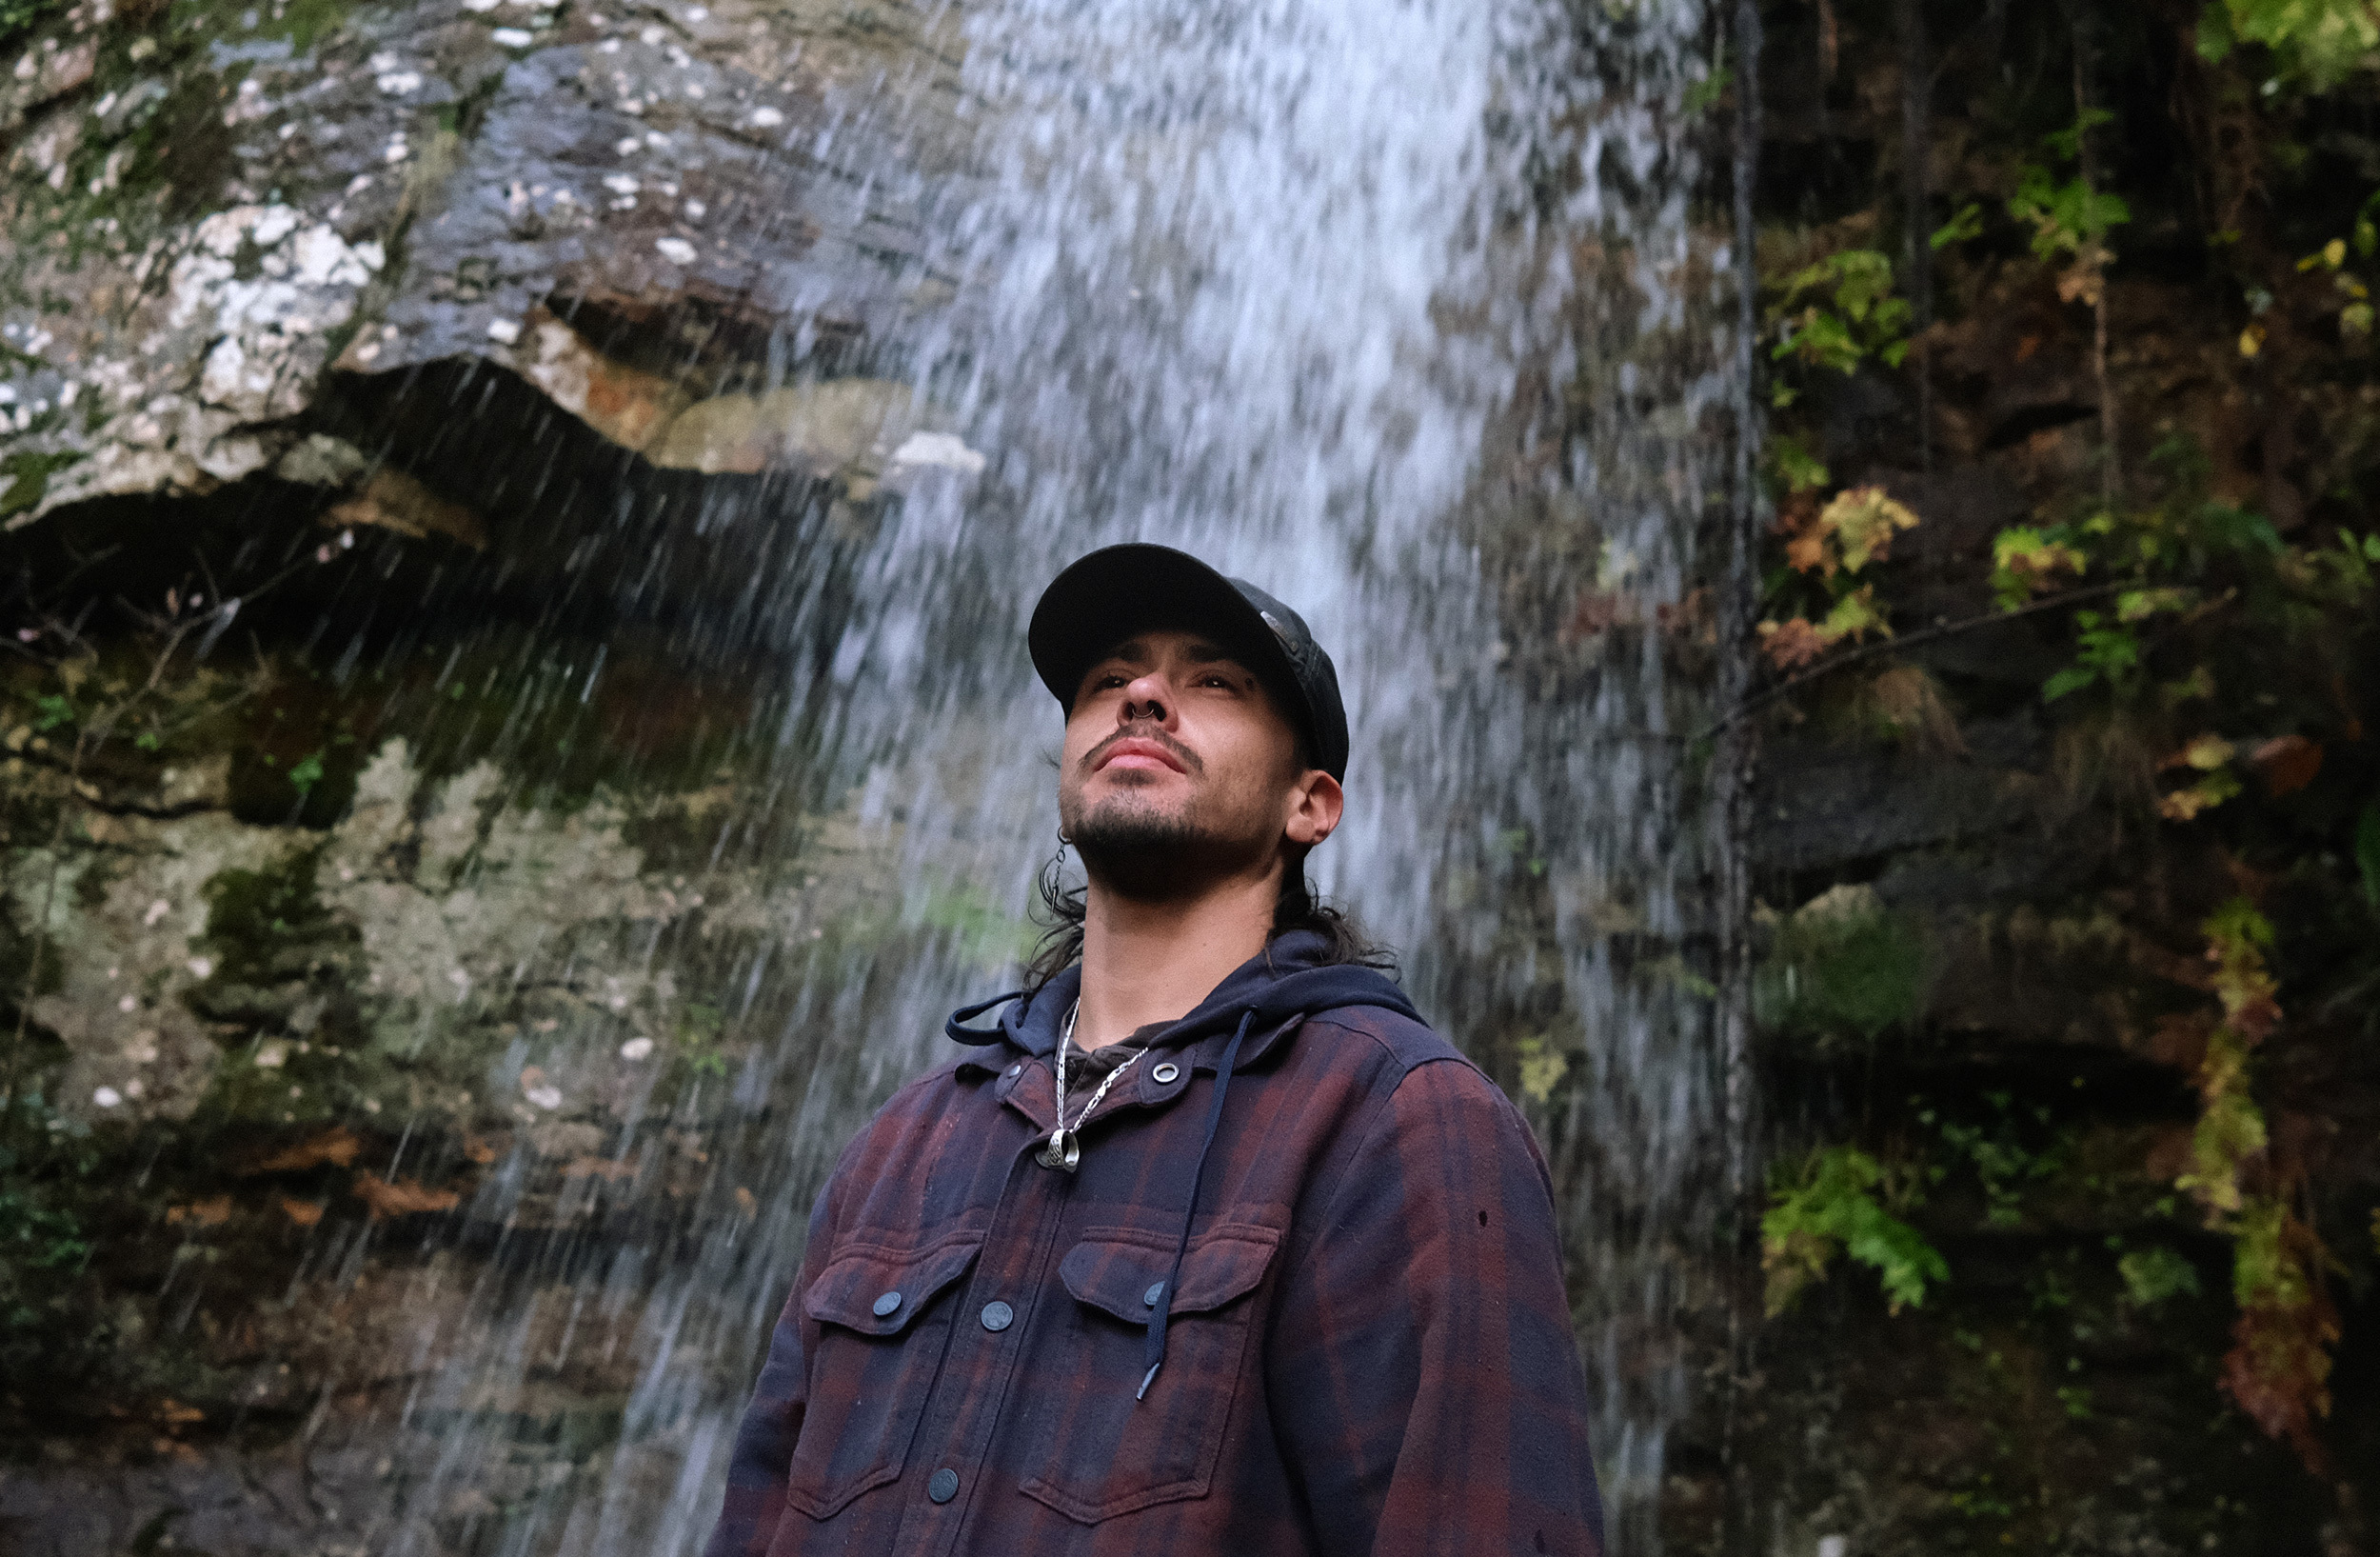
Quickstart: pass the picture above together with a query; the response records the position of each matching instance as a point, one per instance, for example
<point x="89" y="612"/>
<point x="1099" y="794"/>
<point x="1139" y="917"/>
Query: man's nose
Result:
<point x="1148" y="697"/>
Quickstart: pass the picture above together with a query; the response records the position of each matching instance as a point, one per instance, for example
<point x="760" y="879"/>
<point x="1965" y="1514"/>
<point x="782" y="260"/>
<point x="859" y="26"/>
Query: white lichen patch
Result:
<point x="237" y="331"/>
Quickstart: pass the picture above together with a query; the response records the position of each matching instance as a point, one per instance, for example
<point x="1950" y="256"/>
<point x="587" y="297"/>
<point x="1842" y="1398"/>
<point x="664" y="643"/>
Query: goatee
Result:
<point x="1143" y="855"/>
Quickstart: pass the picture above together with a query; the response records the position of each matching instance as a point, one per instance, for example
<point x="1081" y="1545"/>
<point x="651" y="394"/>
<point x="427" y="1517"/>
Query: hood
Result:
<point x="1287" y="979"/>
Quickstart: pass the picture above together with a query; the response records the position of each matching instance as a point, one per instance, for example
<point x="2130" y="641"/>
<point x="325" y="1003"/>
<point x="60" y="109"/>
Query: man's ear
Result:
<point x="1316" y="803"/>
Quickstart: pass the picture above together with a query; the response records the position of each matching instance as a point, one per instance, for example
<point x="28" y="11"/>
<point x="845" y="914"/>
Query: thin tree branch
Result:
<point x="1888" y="646"/>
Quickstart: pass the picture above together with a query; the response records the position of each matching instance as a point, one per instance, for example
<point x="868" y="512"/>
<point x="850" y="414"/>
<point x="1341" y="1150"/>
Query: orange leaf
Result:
<point x="405" y="1199"/>
<point x="304" y="1212"/>
<point x="1807" y="553"/>
<point x="338" y="1147"/>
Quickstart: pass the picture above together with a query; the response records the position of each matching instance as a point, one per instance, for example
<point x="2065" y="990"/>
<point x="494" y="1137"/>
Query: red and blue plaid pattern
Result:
<point x="1369" y="1349"/>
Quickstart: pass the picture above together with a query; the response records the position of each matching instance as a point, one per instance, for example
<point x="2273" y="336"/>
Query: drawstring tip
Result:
<point x="1143" y="1392"/>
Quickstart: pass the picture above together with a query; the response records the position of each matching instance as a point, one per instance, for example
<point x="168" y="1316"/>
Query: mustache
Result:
<point x="1145" y="731"/>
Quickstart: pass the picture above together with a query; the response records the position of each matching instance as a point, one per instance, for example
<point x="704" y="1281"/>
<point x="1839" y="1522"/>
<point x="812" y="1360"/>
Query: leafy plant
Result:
<point x="2004" y="1163"/>
<point x="1820" y="597"/>
<point x="1836" y="315"/>
<point x="2153" y="1275"/>
<point x="2069" y="219"/>
<point x="1843" y="1201"/>
<point x="2316" y="43"/>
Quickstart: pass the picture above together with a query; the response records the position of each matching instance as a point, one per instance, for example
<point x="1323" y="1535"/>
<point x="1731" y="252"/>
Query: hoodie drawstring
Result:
<point x="957" y="1030"/>
<point x="1155" y="1351"/>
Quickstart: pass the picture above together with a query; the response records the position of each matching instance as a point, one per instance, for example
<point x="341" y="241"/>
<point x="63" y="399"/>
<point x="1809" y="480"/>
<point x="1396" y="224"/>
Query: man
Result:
<point x="1208" y="1245"/>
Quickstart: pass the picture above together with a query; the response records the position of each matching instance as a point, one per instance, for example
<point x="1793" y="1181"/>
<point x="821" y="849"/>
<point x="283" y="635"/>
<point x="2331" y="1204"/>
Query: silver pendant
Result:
<point x="1065" y="1149"/>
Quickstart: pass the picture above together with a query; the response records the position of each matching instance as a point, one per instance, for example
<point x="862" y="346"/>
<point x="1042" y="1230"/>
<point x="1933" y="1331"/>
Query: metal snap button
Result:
<point x="998" y="1316"/>
<point x="944" y="1485"/>
<point x="1016" y="1068"/>
<point x="1165" y="1072"/>
<point x="1150" y="1297"/>
<point x="886" y="1305"/>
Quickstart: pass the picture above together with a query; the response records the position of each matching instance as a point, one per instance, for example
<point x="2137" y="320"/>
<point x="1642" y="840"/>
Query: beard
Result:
<point x="1148" y="855"/>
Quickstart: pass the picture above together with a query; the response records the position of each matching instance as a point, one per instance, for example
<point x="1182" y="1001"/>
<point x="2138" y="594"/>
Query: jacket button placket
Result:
<point x="970" y="1396"/>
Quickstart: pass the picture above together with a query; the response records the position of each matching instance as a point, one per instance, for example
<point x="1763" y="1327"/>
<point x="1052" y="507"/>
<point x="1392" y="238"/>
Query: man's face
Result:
<point x="1178" y="766"/>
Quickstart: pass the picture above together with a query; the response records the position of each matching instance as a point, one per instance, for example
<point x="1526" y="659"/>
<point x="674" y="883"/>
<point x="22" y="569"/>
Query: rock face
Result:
<point x="390" y="362"/>
<point x="624" y="210"/>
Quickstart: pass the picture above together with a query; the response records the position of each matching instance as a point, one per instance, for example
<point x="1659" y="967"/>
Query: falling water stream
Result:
<point x="1417" y="315"/>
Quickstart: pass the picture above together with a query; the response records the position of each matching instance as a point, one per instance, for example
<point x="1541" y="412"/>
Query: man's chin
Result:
<point x="1145" y="851"/>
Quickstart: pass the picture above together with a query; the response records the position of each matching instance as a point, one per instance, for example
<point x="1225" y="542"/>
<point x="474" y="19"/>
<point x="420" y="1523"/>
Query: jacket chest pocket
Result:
<point x="884" y="1319"/>
<point x="1107" y="1453"/>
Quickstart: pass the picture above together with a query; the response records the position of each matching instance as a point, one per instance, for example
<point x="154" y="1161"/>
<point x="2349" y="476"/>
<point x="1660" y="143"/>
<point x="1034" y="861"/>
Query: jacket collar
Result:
<point x="1285" y="981"/>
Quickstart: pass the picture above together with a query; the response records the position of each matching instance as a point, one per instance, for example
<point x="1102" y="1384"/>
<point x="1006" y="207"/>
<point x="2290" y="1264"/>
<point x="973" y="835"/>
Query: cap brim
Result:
<point x="1104" y="598"/>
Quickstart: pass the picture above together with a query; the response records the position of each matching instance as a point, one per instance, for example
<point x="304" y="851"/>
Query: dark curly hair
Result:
<point x="1298" y="908"/>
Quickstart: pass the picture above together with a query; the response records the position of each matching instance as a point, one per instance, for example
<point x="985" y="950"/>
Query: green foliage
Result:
<point x="42" y="1245"/>
<point x="2069" y="218"/>
<point x="2155" y="1274"/>
<point x="1967" y="223"/>
<point x="1838" y="313"/>
<point x="700" y="1026"/>
<point x="1792" y="467"/>
<point x="305" y="774"/>
<point x="1842" y="1201"/>
<point x="2103" y="652"/>
<point x="2005" y="1161"/>
<point x="2314" y="43"/>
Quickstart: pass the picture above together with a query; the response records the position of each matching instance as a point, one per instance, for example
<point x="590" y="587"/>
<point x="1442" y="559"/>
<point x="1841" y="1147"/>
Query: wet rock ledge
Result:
<point x="429" y="437"/>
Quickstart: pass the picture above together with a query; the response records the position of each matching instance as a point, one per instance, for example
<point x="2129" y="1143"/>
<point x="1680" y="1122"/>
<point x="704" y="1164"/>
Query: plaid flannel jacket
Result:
<point x="1369" y="1349"/>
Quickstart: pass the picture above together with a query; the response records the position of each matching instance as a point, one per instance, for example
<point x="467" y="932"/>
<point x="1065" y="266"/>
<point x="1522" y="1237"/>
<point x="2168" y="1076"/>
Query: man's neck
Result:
<point x="1145" y="961"/>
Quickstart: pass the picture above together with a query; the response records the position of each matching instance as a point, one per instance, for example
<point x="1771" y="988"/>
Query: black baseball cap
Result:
<point x="1101" y="599"/>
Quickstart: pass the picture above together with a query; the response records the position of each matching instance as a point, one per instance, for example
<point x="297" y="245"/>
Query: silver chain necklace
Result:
<point x="1064" y="1148"/>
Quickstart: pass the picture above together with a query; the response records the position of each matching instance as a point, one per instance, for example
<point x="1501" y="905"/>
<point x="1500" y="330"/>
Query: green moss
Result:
<point x="267" y="925"/>
<point x="28" y="477"/>
<point x="1858" y="972"/>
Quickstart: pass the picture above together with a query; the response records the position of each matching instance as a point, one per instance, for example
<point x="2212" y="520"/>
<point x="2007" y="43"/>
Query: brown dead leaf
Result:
<point x="479" y="1150"/>
<point x="172" y="1413"/>
<point x="1790" y="644"/>
<point x="744" y="1201"/>
<point x="337" y="1146"/>
<point x="304" y="1212"/>
<point x="2288" y="763"/>
<point x="201" y="1213"/>
<point x="401" y="1199"/>
<point x="1807" y="554"/>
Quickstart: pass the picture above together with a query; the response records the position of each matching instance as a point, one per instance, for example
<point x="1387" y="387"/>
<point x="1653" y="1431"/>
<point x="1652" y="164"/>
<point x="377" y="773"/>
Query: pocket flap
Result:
<point x="1118" y="1269"/>
<point x="877" y="1291"/>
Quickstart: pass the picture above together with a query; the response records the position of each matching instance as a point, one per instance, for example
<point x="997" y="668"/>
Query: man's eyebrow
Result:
<point x="1206" y="653"/>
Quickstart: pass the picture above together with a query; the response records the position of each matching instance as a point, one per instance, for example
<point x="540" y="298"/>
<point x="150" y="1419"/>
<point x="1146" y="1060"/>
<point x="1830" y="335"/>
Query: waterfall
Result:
<point x="1416" y="314"/>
